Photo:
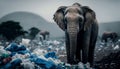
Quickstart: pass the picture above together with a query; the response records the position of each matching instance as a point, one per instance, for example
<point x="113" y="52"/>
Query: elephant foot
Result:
<point x="91" y="64"/>
<point x="77" y="61"/>
<point x="72" y="62"/>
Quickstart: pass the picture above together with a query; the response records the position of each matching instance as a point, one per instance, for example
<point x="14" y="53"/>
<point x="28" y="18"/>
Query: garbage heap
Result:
<point x="35" y="56"/>
<point x="51" y="54"/>
<point x="107" y="55"/>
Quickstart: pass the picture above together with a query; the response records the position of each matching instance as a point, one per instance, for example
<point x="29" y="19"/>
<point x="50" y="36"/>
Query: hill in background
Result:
<point x="28" y="20"/>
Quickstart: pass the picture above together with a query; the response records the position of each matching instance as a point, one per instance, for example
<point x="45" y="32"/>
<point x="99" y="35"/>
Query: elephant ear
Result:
<point x="89" y="16"/>
<point x="59" y="17"/>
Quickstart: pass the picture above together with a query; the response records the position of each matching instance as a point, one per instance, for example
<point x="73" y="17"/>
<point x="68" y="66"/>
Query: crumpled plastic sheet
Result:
<point x="13" y="47"/>
<point x="43" y="63"/>
<point x="51" y="54"/>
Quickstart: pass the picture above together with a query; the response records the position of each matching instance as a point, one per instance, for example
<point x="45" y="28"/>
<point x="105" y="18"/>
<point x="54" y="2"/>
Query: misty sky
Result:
<point x="106" y="10"/>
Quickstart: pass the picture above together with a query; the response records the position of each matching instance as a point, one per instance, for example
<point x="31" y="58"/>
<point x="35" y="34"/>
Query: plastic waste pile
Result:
<point x="18" y="56"/>
<point x="104" y="49"/>
<point x="107" y="55"/>
<point x="50" y="54"/>
<point x="45" y="56"/>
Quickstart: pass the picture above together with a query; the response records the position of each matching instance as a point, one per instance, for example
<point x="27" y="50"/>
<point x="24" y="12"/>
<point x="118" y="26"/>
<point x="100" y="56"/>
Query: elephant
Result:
<point x="45" y="34"/>
<point x="109" y="35"/>
<point x="81" y="30"/>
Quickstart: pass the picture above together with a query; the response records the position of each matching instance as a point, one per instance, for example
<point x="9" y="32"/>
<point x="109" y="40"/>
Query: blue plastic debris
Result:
<point x="43" y="63"/>
<point x="12" y="54"/>
<point x="14" y="48"/>
<point x="7" y="66"/>
<point x="16" y="62"/>
<point x="22" y="52"/>
<point x="21" y="47"/>
<point x="51" y="54"/>
<point x="33" y="56"/>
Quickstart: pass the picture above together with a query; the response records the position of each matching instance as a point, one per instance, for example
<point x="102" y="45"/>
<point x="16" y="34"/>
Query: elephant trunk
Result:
<point x="72" y="30"/>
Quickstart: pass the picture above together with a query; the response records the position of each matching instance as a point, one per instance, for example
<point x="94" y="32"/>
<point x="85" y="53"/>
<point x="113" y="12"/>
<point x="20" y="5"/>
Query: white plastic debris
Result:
<point x="50" y="47"/>
<point x="116" y="47"/>
<point x="40" y="43"/>
<point x="1" y="47"/>
<point x="57" y="49"/>
<point x="42" y="57"/>
<point x="101" y="46"/>
<point x="87" y="65"/>
<point x="49" y="42"/>
<point x="28" y="65"/>
<point x="2" y="51"/>
<point x="62" y="48"/>
<point x="56" y="61"/>
<point x="119" y="40"/>
<point x="17" y="56"/>
<point x="80" y="65"/>
<point x="68" y="65"/>
<point x="39" y="52"/>
<point x="25" y="42"/>
<point x="56" y="42"/>
<point x="99" y="49"/>
<point x="20" y="56"/>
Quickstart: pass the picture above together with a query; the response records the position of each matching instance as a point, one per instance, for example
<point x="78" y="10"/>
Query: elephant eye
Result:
<point x="80" y="19"/>
<point x="80" y="11"/>
<point x="65" y="20"/>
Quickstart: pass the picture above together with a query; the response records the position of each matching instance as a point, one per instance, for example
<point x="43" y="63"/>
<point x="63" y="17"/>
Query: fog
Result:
<point x="106" y="10"/>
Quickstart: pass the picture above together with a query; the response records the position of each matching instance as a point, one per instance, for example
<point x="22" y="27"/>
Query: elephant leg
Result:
<point x="43" y="37"/>
<point x="105" y="40"/>
<point x="48" y="37"/>
<point x="78" y="55"/>
<point x="91" y="50"/>
<point x="93" y="40"/>
<point x="67" y="47"/>
<point x="86" y="44"/>
<point x="79" y="47"/>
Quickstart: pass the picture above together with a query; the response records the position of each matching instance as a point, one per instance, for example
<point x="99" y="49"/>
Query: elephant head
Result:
<point x="73" y="19"/>
<point x="76" y="13"/>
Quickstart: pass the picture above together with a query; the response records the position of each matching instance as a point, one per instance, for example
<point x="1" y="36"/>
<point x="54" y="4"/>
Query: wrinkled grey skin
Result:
<point x="81" y="30"/>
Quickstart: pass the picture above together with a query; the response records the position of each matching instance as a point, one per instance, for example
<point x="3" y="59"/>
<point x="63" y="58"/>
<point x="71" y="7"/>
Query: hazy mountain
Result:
<point x="28" y="20"/>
